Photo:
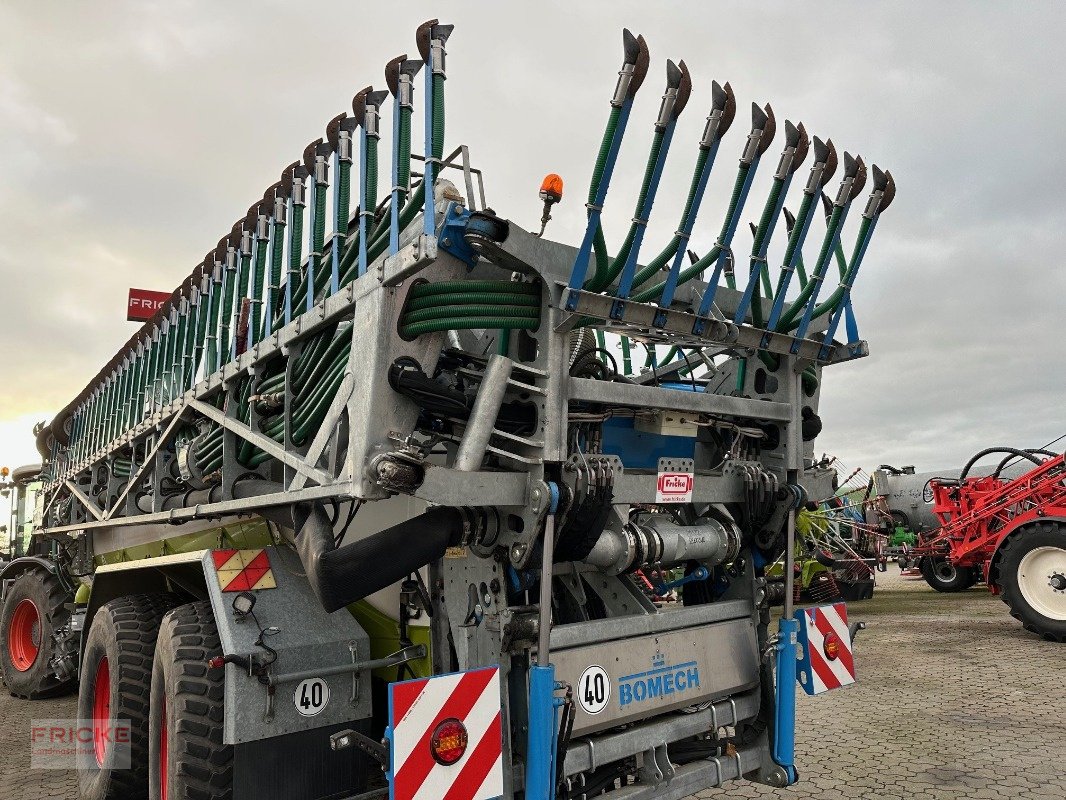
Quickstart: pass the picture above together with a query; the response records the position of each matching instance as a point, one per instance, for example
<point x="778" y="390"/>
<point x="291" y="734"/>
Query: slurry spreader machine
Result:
<point x="374" y="498"/>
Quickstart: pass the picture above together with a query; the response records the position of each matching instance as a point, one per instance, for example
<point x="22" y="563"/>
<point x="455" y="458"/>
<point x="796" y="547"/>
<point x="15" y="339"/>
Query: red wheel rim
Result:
<point x="163" y="751"/>
<point x="24" y="635"/>
<point x="101" y="710"/>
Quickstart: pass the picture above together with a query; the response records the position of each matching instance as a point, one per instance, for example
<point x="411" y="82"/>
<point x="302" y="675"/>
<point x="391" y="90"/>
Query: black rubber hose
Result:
<point x="988" y="451"/>
<point x="1034" y="450"/>
<point x="340" y="576"/>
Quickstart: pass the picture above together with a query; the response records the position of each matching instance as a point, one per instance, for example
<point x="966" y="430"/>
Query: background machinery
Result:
<point x="19" y="487"/>
<point x="375" y="497"/>
<point x="1005" y="526"/>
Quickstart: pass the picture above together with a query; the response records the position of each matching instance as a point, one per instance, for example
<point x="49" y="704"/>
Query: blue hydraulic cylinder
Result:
<point x="540" y="754"/>
<point x="799" y="235"/>
<point x="784" y="744"/>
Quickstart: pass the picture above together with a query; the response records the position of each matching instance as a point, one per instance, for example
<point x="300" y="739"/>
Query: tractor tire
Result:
<point x="187" y="759"/>
<point x="35" y="608"/>
<point x="945" y="577"/>
<point x="116" y="680"/>
<point x="1032" y="579"/>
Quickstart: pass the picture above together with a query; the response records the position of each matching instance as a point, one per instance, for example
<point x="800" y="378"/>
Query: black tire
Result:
<point x="49" y="601"/>
<point x="191" y="695"/>
<point x="1012" y="552"/>
<point x="944" y="577"/>
<point x="124" y="632"/>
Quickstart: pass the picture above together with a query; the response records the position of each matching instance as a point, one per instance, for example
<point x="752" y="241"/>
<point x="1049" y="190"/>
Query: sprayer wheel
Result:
<point x="1032" y="578"/>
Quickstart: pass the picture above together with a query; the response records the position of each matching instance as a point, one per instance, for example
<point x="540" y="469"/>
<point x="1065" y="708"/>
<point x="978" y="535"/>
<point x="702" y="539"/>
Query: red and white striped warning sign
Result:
<point x="446" y="739"/>
<point x="827" y="662"/>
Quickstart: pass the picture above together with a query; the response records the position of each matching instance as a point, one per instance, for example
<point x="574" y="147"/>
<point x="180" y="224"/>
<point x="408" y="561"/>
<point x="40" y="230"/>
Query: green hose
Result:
<point x="475" y="297"/>
<point x="258" y="273"/>
<point x="668" y="252"/>
<point x="790" y="319"/>
<point x="768" y="213"/>
<point x="602" y="281"/>
<point x="712" y="255"/>
<point x="462" y="311"/>
<point x="458" y="305"/>
<point x="344" y="194"/>
<point x="468" y="323"/>
<point x="446" y="287"/>
<point x="599" y="243"/>
<point x="404" y="150"/>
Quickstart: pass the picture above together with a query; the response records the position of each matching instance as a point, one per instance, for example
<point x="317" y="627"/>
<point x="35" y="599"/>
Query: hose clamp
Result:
<point x="405" y="93"/>
<point x="436" y="56"/>
<point x="814" y="181"/>
<point x="298" y="189"/>
<point x="873" y="203"/>
<point x="344" y="147"/>
<point x="710" y="130"/>
<point x="621" y="89"/>
<point x="844" y="194"/>
<point x="370" y="122"/>
<point x="321" y="171"/>
<point x="785" y="164"/>
<point x="666" y="109"/>
<point x="751" y="149"/>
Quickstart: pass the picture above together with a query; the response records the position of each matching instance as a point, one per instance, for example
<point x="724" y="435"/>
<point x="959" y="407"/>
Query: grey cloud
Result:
<point x="132" y="135"/>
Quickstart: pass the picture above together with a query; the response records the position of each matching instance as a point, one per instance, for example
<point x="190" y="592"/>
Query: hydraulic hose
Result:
<point x="989" y="450"/>
<point x="1033" y="450"/>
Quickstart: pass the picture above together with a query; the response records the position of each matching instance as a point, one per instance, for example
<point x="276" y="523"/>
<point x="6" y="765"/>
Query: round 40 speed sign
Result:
<point x="311" y="696"/>
<point x="594" y="689"/>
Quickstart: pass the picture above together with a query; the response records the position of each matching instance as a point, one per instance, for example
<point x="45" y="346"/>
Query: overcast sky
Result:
<point x="133" y="134"/>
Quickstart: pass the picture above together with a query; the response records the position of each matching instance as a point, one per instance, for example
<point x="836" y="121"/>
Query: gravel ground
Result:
<point x="954" y="700"/>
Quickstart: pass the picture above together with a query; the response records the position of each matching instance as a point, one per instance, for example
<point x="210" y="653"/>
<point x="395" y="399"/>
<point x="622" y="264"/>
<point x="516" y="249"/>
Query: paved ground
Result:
<point x="954" y="700"/>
